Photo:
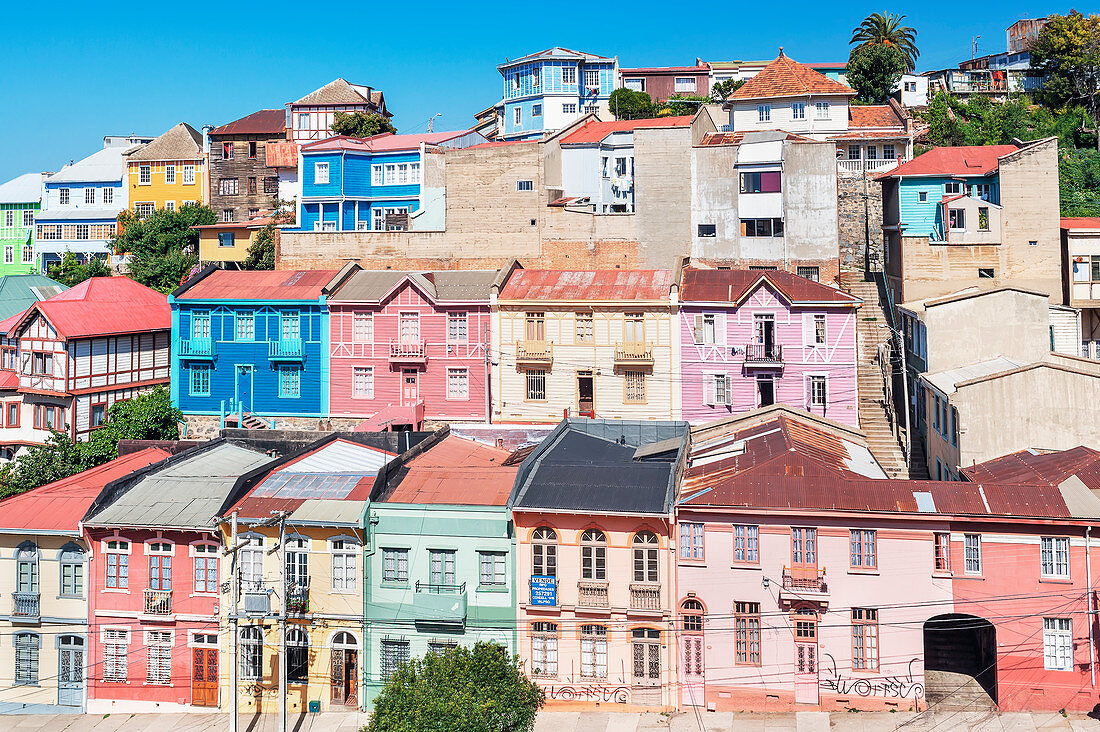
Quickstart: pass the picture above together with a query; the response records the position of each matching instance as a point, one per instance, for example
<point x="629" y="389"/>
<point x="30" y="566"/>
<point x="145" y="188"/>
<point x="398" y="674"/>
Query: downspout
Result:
<point x="1091" y="612"/>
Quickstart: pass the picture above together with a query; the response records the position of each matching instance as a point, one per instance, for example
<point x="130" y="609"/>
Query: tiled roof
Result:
<point x="613" y="284"/>
<point x="27" y="188"/>
<point x="873" y="115"/>
<point x="594" y="131"/>
<point x="1081" y="222"/>
<point x="733" y="285"/>
<point x="263" y="122"/>
<point x="1031" y="467"/>
<point x="105" y="306"/>
<point x="456" y="471"/>
<point x="341" y="91"/>
<point x="897" y="134"/>
<point x="182" y="142"/>
<point x="736" y="138"/>
<point x="386" y="142"/>
<point x="962" y="161"/>
<point x="277" y="284"/>
<point x="785" y="77"/>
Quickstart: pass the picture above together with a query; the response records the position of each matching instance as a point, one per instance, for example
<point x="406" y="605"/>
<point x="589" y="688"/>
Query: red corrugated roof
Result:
<point x="873" y="115"/>
<point x="785" y="77"/>
<point x="281" y="155"/>
<point x="104" y="306"/>
<point x="733" y="285"/>
<point x="609" y="284"/>
<point x="457" y="471"/>
<point x="968" y="160"/>
<point x="386" y="142"/>
<point x="736" y="138"/>
<point x="280" y="284"/>
<point x="9" y="380"/>
<point x="502" y="143"/>
<point x="594" y="131"/>
<point x="264" y="122"/>
<point x="1070" y="222"/>
<point x="59" y="506"/>
<point x="1049" y="468"/>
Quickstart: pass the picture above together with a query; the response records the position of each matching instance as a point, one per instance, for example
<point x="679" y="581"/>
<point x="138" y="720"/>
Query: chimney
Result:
<point x="206" y="139"/>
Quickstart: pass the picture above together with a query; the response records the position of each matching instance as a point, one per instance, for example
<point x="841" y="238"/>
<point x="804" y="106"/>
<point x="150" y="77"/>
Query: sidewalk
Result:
<point x="584" y="722"/>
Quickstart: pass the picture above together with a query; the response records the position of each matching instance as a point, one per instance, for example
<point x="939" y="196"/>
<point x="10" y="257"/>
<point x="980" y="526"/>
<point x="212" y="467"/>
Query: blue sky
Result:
<point x="76" y="72"/>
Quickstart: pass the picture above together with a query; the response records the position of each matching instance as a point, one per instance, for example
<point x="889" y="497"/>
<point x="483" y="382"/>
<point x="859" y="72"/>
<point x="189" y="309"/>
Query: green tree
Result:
<point x="163" y="245"/>
<point x="886" y="29"/>
<point x="361" y="124"/>
<point x="1067" y="54"/>
<point x="477" y="689"/>
<point x="261" y="253"/>
<point x="723" y="89"/>
<point x="629" y="104"/>
<point x="71" y="272"/>
<point x="55" y="459"/>
<point x="682" y="104"/>
<point x="873" y="70"/>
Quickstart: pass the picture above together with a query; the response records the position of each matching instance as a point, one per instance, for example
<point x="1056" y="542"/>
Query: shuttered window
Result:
<point x="115" y="650"/>
<point x="26" y="658"/>
<point x="159" y="670"/>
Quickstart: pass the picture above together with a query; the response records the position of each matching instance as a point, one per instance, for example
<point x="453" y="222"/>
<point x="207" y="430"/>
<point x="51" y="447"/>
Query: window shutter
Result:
<point x="720" y="328"/>
<point x="729" y="389"/>
<point x="708" y="389"/>
<point x="698" y="329"/>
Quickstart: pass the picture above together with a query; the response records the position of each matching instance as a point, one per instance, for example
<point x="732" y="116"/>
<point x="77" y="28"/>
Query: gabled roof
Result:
<point x="263" y="122"/>
<point x="27" y="188"/>
<point x="953" y="161"/>
<point x="444" y="286"/>
<point x="917" y="307"/>
<point x="455" y="471"/>
<point x="59" y="506"/>
<point x="385" y="142"/>
<point x="785" y="77"/>
<point x="279" y="284"/>
<point x="556" y="53"/>
<point x="734" y="285"/>
<point x="873" y="115"/>
<point x="103" y="306"/>
<point x="341" y="92"/>
<point x="947" y="380"/>
<point x="620" y="285"/>
<point x="595" y="131"/>
<point x="106" y="165"/>
<point x="1033" y="467"/>
<point x="182" y="142"/>
<point x="19" y="291"/>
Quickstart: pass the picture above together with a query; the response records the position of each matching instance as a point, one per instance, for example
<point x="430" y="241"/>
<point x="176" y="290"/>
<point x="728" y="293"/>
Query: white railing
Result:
<point x="844" y="165"/>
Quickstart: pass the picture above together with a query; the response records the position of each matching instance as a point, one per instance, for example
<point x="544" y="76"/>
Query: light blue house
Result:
<point x="549" y="90"/>
<point x="81" y="203"/>
<point x="374" y="184"/>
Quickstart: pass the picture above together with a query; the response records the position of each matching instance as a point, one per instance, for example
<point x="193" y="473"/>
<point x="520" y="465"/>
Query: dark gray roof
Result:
<point x="444" y="286"/>
<point x="603" y="466"/>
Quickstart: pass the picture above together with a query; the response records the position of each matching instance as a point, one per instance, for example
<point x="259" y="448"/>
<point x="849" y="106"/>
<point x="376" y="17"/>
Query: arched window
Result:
<point x="544" y="552"/>
<point x="26" y="558"/>
<point x="297" y="656"/>
<point x="345" y="640"/>
<point x="691" y="612"/>
<point x="593" y="555"/>
<point x="645" y="557"/>
<point x="544" y="648"/>
<point x="71" y="558"/>
<point x="252" y="653"/>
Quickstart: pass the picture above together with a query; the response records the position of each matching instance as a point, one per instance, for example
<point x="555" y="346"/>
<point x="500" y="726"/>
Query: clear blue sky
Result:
<point x="74" y="72"/>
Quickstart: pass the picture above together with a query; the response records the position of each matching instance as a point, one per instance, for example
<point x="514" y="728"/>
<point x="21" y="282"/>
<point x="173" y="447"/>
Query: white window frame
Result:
<point x="188" y="177"/>
<point x="158" y="668"/>
<point x="367" y="374"/>
<point x="170" y="174"/>
<point x="345" y="551"/>
<point x="145" y="174"/>
<point x="517" y="116"/>
<point x="116" y="652"/>
<point x="972" y="554"/>
<point x="684" y="84"/>
<point x="1054" y="559"/>
<point x="320" y="173"/>
<point x="1058" y="644"/>
<point x="458" y="384"/>
<point x="821" y="110"/>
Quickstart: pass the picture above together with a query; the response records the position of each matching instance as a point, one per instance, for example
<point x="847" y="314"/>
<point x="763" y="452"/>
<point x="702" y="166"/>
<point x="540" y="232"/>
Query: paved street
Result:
<point x="584" y="722"/>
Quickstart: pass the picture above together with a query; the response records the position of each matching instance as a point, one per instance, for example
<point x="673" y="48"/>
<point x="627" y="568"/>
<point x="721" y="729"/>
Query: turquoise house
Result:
<point x="440" y="567"/>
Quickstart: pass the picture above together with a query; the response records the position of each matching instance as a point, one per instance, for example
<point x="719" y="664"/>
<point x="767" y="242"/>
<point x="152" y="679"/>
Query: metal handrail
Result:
<point x="440" y="589"/>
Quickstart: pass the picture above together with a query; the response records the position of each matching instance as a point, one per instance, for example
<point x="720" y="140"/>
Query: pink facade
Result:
<point x="407" y="347"/>
<point x="154" y="602"/>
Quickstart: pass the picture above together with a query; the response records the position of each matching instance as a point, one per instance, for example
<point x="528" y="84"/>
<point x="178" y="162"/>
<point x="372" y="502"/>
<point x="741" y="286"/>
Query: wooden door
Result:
<point x="204" y="677"/>
<point x="336" y="680"/>
<point x="410" y="387"/>
<point x="805" y="658"/>
<point x="70" y="676"/>
<point x="692" y="687"/>
<point x="244" y="387"/>
<point x="586" y="402"/>
<point x="344" y="679"/>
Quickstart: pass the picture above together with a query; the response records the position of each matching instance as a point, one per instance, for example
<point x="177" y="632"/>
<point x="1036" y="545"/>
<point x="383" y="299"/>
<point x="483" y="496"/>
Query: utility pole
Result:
<point x="234" y="586"/>
<point x="281" y="558"/>
<point x="488" y="399"/>
<point x="974" y="48"/>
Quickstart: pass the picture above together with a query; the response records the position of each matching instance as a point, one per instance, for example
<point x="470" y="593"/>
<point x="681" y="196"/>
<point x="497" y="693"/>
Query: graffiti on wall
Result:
<point x="591" y="692"/>
<point x="890" y="687"/>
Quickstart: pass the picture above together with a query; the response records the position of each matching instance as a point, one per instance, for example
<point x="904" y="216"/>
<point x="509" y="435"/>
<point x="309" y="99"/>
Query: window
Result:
<point x="719" y="390"/>
<point x="160" y="566"/>
<point x="635" y="84"/>
<point x="646" y="548"/>
<point x="684" y="83"/>
<point x="707" y="230"/>
<point x="363" y="382"/>
<point x="810" y="273"/>
<point x="922" y="196"/>
<point x="72" y="571"/>
<point x="457" y="328"/>
<point x="803" y="546"/>
<point x="872" y="152"/>
<point x="983" y="218"/>
<point x="862" y="549"/>
<point x="691" y="612"/>
<point x="98" y="416"/>
<point x="591" y="78"/>
<point x="954" y="426"/>
<point x="362" y="327"/>
<point x="169" y="205"/>
<point x="159" y="668"/>
<point x="517" y="116"/>
<point x="568" y="75"/>
<point x="767" y="182"/>
<point x="864" y="639"/>
<point x="585" y="328"/>
<point x="952" y="188"/>
<point x="394" y="653"/>
<point x="956" y="219"/>
<point x="9" y="219"/>
<point x="63" y="196"/>
<point x="798" y="111"/>
<point x="982" y="191"/>
<point x="252" y="150"/>
<point x="200" y="379"/>
<point x="116" y="643"/>
<point x="746" y="633"/>
<point x="819" y="391"/>
<point x="227" y="151"/>
<point x="888" y="152"/>
<point x="746" y="544"/>
<point x="972" y="548"/>
<point x="395" y="565"/>
<point x="1058" y="644"/>
<point x="1054" y="556"/>
<point x="252" y="189"/>
<point x="228" y="215"/>
<point x="941" y="551"/>
<point x="170" y="174"/>
<point x="525" y="185"/>
<point x="819" y="329"/>
<point x="252" y="563"/>
<point x="344" y="552"/>
<point x="763" y="112"/>
<point x="26" y="658"/>
<point x="118" y="563"/>
<point x="145" y="175"/>
<point x="320" y="173"/>
<point x="536" y="385"/>
<point x="9" y="255"/>
<point x="691" y="540"/>
<point x="568" y="108"/>
<point x="228" y="186"/>
<point x="593" y="555"/>
<point x="853" y="152"/>
<point x="271" y="184"/>
<point x="458" y="384"/>
<point x="226" y="239"/>
<point x="634" y="387"/>
<point x="206" y="567"/>
<point x="143" y="211"/>
<point x="544" y="552"/>
<point x="297" y="652"/>
<point x="544" y="648"/>
<point x="493" y="568"/>
<point x="290" y="325"/>
<point x="189" y="175"/>
<point x="536" y="110"/>
<point x="986" y="273"/>
<point x="251" y="653"/>
<point x="761" y="228"/>
<point x="246" y="325"/>
<point x="27" y="568"/>
<point x="593" y="652"/>
<point x="89" y="197"/>
<point x="290" y="382"/>
<point x="28" y="255"/>
<point x="441" y="567"/>
<point x="821" y="110"/>
<point x="303" y="121"/>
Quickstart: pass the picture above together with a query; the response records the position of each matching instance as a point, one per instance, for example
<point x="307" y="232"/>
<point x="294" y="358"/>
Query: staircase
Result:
<point x="949" y="691"/>
<point x="873" y="418"/>
<point x="248" y="421"/>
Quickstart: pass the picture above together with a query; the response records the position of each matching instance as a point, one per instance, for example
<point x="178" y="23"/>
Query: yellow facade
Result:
<point x="165" y="184"/>
<point x="215" y="247"/>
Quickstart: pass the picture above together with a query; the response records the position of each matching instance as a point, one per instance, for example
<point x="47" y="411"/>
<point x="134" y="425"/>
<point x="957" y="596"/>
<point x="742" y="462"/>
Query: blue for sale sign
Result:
<point x="544" y="590"/>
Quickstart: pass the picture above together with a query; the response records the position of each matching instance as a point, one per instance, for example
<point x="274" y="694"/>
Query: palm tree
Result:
<point x="887" y="29"/>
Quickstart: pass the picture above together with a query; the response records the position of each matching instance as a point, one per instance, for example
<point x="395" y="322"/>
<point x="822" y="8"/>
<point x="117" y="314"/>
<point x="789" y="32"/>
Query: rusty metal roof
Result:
<point x="263" y="122"/>
<point x="1030" y="466"/>
<point x="279" y="284"/>
<point x="734" y="285"/>
<point x="456" y="471"/>
<point x="568" y="285"/>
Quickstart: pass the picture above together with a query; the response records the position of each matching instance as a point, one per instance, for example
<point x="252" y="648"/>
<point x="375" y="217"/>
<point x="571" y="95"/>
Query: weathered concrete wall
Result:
<point x="859" y="200"/>
<point x="662" y="193"/>
<point x="714" y="201"/>
<point x="810" y="201"/>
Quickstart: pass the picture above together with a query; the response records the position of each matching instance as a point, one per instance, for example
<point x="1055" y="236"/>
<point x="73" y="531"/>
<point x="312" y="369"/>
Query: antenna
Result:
<point x="974" y="48"/>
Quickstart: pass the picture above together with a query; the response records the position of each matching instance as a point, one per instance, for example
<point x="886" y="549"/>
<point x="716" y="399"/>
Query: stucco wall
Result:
<point x="662" y="193"/>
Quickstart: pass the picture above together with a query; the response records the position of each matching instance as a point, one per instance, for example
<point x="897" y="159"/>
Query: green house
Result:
<point x="20" y="201"/>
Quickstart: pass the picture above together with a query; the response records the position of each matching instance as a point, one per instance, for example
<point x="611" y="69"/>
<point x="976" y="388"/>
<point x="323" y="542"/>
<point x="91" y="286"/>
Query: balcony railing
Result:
<point x="197" y="348"/>
<point x="285" y="349"/>
<point x="534" y="351"/>
<point x="634" y="354"/>
<point x="805" y="579"/>
<point x="843" y="165"/>
<point x="26" y="605"/>
<point x="158" y="602"/>
<point x="297" y="600"/>
<point x="408" y="350"/>
<point x="645" y="597"/>
<point x="592" y="594"/>
<point x="763" y="353"/>
<point x="440" y="589"/>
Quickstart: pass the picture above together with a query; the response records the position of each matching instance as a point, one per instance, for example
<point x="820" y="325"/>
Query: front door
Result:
<point x="345" y="679"/>
<point x="805" y="657"/>
<point x="410" y="387"/>
<point x="691" y="661"/>
<point x="765" y="390"/>
<point x="204" y="677"/>
<point x="70" y="675"/>
<point x="244" y="387"/>
<point x="647" y="666"/>
<point x="586" y="401"/>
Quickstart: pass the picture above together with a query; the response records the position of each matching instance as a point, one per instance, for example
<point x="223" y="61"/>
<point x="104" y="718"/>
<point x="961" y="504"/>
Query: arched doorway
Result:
<point x="960" y="661"/>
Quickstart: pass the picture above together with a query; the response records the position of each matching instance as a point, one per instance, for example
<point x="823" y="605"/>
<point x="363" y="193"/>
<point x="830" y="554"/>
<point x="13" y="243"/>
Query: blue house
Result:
<point x="250" y="345"/>
<point x="373" y="184"/>
<point x="549" y="90"/>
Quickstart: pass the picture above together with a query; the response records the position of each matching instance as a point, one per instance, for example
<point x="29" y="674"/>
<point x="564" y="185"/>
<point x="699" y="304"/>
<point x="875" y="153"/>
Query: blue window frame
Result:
<point x="290" y="325"/>
<point x="225" y="239"/>
<point x="290" y="382"/>
<point x="246" y="325"/>
<point x="200" y="379"/>
<point x="200" y="324"/>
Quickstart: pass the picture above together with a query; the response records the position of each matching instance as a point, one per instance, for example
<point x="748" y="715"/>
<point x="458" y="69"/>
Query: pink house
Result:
<point x="410" y="346"/>
<point x="752" y="338"/>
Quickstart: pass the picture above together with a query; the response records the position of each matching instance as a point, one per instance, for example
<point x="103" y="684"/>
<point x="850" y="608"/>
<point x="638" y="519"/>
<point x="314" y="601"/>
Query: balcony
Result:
<point x="634" y="354"/>
<point x="26" y="606"/>
<point x="645" y="597"/>
<point x="592" y="594"/>
<point x="297" y="599"/>
<point x="158" y="602"/>
<point x="854" y="167"/>
<point x="285" y="349"/>
<point x="764" y="354"/>
<point x="408" y="351"/>
<point x="440" y="604"/>
<point x="197" y="349"/>
<point x="804" y="583"/>
<point x="534" y="352"/>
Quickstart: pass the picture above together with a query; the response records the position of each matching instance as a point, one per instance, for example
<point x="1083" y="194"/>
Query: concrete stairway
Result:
<point x="873" y="419"/>
<point x="946" y="690"/>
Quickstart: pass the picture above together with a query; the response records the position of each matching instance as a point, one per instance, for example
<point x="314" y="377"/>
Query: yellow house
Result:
<point x="168" y="172"/>
<point x="585" y="343"/>
<point x="230" y="241"/>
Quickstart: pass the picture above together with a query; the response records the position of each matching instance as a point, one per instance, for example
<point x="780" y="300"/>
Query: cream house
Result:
<point x="585" y="343"/>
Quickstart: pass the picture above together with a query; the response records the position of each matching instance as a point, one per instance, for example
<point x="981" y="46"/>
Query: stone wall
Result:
<point x="859" y="197"/>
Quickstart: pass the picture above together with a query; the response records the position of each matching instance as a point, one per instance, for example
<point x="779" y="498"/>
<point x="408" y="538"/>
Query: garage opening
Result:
<point x="960" y="662"/>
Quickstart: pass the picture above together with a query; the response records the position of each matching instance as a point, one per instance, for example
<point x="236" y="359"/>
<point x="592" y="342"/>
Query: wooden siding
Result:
<point x="242" y="168"/>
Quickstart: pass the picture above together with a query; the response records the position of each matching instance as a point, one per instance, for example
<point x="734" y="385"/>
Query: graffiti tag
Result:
<point x="594" y="692"/>
<point x="895" y="687"/>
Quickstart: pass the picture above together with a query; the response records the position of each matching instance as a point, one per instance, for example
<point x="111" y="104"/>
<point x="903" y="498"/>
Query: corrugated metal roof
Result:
<point x="952" y="161"/>
<point x="1049" y="468"/>
<point x="329" y="513"/>
<point x="385" y="142"/>
<point x="1080" y="222"/>
<point x="26" y="188"/>
<point x="281" y="155"/>
<point x="104" y="306"/>
<point x="946" y="380"/>
<point x="613" y="284"/>
<point x="263" y="122"/>
<point x="89" y="215"/>
<point x="340" y="456"/>
<point x="456" y="471"/>
<point x="595" y="131"/>
<point x="442" y="286"/>
<point x="280" y="284"/>
<point x="19" y="291"/>
<point x="734" y="285"/>
<point x="106" y="165"/>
